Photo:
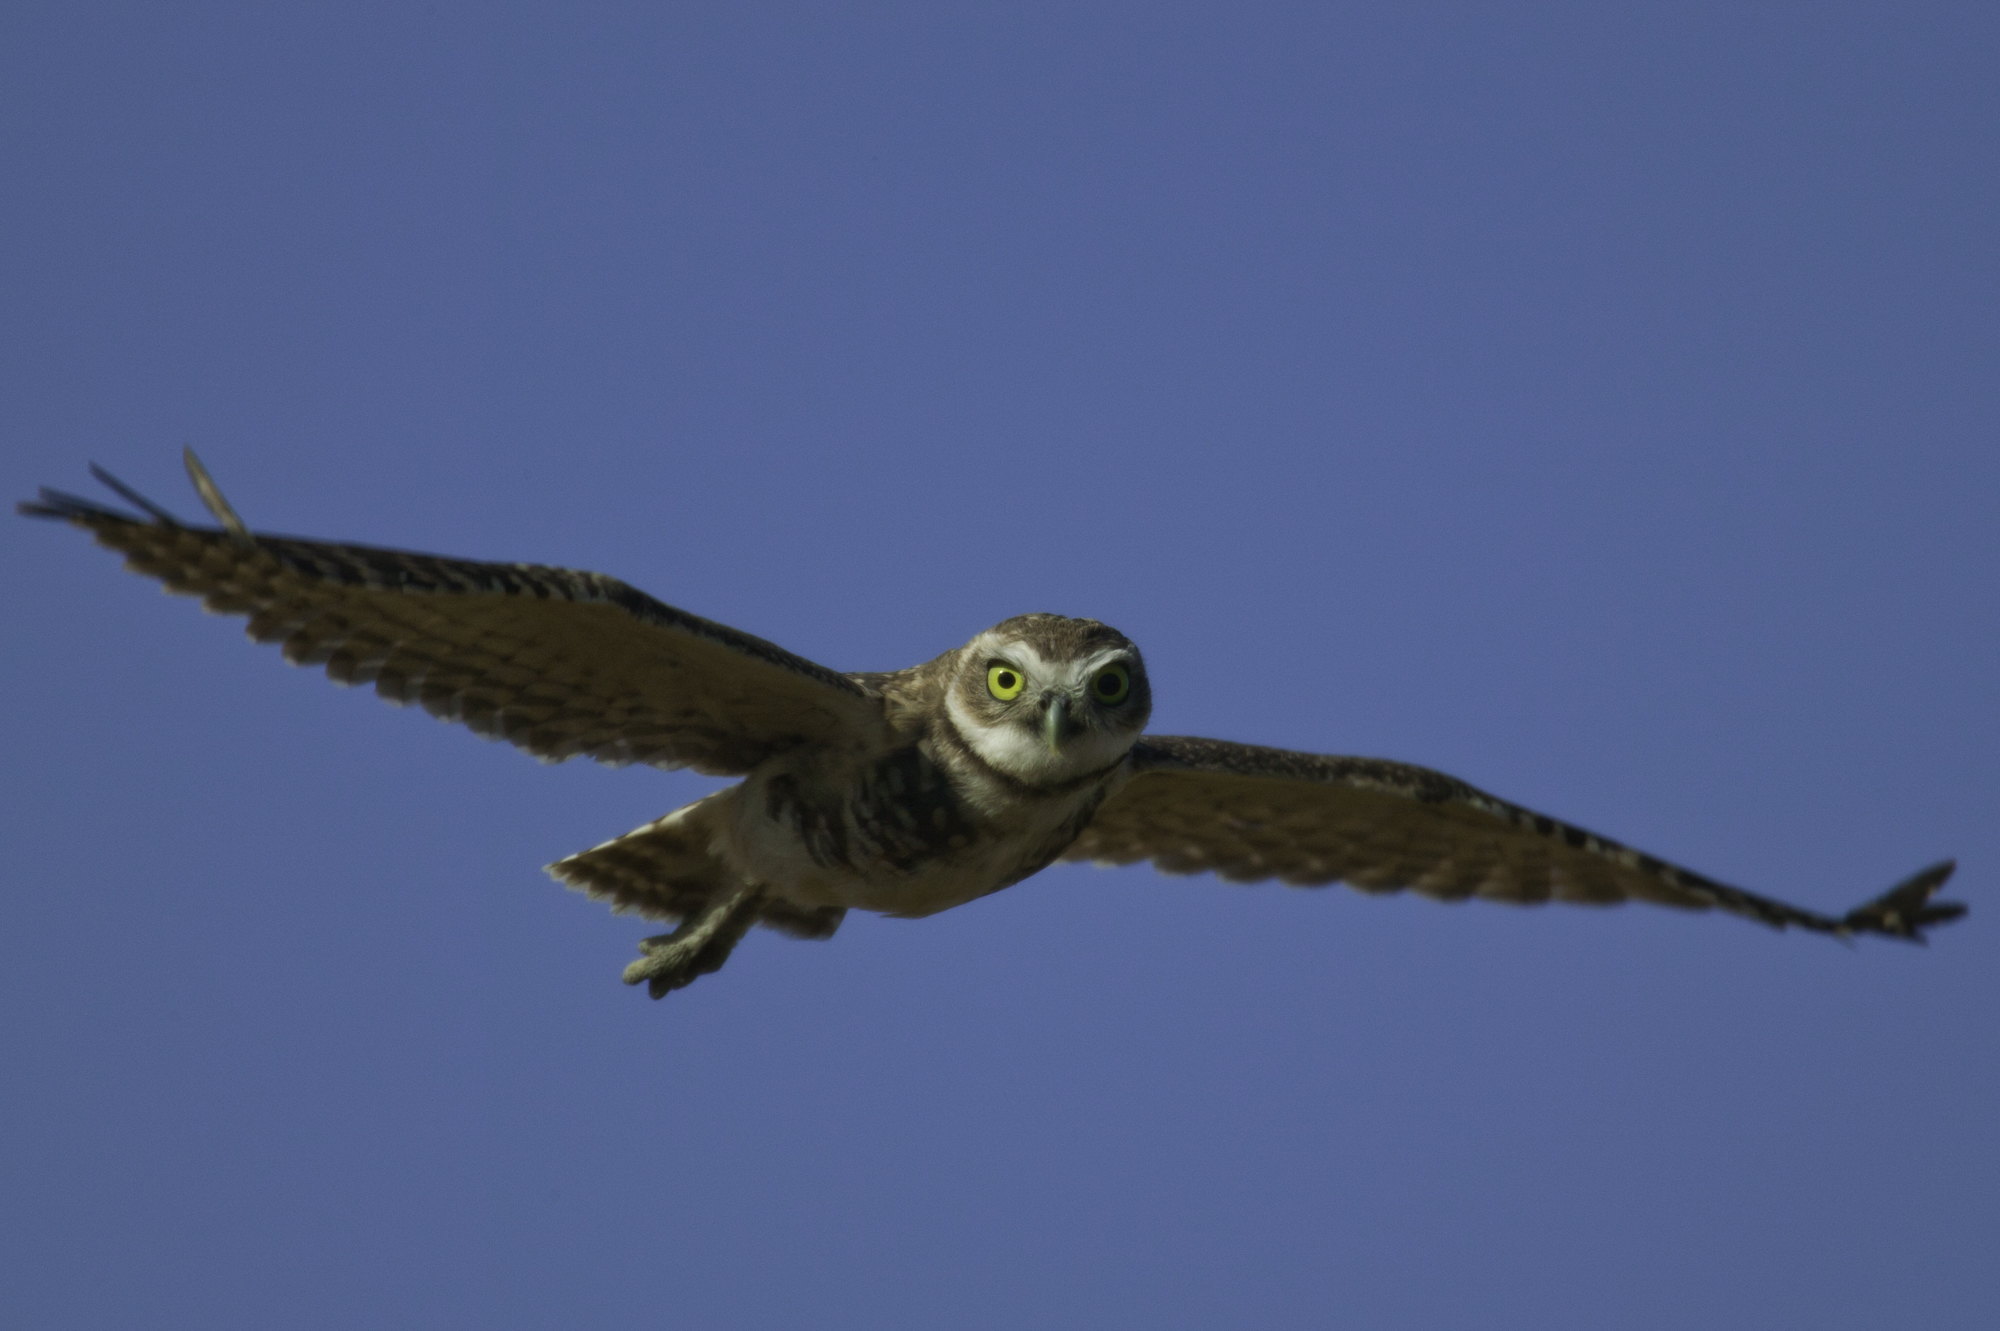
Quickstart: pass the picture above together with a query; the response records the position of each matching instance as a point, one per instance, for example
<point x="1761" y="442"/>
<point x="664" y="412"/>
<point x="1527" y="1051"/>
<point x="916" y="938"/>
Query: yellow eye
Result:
<point x="1111" y="685"/>
<point x="1005" y="683"/>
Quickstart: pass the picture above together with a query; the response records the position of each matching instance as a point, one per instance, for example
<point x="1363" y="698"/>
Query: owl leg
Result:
<point x="700" y="946"/>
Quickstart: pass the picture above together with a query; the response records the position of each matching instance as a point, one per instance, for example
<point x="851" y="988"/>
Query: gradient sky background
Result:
<point x="1600" y="406"/>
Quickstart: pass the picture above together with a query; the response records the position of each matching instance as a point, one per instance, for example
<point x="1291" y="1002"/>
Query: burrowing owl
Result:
<point x="908" y="792"/>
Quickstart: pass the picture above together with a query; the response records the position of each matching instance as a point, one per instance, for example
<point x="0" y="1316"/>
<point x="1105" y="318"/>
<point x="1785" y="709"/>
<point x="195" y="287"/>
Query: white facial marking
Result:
<point x="1020" y="751"/>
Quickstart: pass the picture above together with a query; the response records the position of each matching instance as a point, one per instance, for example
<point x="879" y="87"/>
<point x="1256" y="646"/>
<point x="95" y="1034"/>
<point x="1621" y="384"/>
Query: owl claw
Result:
<point x="668" y="966"/>
<point x="699" y="947"/>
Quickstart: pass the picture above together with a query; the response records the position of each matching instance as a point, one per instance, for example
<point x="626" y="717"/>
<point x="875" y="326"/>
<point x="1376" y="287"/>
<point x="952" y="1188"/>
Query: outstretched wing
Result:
<point x="1248" y="814"/>
<point x="555" y="661"/>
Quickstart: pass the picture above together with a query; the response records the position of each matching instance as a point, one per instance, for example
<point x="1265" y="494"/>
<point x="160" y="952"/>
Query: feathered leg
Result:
<point x="700" y="946"/>
<point x="669" y="870"/>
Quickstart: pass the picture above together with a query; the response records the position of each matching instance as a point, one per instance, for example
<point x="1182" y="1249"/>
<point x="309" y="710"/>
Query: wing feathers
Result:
<point x="558" y="662"/>
<point x="211" y="498"/>
<point x="1247" y="814"/>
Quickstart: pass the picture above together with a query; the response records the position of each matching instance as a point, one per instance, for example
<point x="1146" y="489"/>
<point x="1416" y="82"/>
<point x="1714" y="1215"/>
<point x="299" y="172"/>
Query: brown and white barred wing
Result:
<point x="558" y="662"/>
<point x="1248" y="814"/>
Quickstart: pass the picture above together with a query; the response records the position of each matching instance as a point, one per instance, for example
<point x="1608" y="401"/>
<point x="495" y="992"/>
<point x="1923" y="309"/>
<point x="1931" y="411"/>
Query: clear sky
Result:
<point x="1598" y="403"/>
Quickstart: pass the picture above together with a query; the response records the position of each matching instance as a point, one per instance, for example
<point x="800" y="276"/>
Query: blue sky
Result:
<point x="1596" y="403"/>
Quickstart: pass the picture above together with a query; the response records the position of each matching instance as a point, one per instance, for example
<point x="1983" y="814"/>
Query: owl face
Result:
<point x="1046" y="699"/>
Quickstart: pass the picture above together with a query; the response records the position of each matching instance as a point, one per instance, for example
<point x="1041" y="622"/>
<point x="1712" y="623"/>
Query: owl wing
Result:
<point x="554" y="661"/>
<point x="1248" y="814"/>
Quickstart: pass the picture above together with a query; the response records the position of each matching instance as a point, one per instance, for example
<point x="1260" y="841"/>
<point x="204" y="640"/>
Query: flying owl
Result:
<point x="907" y="792"/>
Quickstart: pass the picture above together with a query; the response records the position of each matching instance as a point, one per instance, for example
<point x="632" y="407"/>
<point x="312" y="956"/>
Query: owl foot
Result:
<point x="700" y="946"/>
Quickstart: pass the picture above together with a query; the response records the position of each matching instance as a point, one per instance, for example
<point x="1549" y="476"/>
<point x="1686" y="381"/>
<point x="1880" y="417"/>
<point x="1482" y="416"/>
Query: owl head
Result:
<point x="1047" y="699"/>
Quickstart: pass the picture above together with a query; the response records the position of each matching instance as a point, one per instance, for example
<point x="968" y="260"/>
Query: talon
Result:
<point x="664" y="971"/>
<point x="702" y="943"/>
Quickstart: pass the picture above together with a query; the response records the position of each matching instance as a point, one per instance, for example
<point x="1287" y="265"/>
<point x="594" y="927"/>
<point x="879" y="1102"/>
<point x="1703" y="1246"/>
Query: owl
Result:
<point x="906" y="792"/>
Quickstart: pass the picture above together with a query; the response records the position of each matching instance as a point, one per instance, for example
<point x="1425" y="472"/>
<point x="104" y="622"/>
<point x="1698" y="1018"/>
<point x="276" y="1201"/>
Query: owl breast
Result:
<point x="898" y="833"/>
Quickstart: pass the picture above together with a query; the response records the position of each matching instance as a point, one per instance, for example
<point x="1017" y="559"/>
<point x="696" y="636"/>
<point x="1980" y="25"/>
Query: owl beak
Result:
<point x="1054" y="721"/>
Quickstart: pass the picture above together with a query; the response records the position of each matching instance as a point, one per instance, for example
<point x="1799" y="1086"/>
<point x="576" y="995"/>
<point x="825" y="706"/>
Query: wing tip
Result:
<point x="1906" y="909"/>
<point x="62" y="506"/>
<point x="211" y="496"/>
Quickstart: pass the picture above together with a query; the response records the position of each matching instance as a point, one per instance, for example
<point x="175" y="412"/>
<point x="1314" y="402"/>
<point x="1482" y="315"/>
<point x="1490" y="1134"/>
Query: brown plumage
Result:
<point x="906" y="792"/>
<point x="1247" y="814"/>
